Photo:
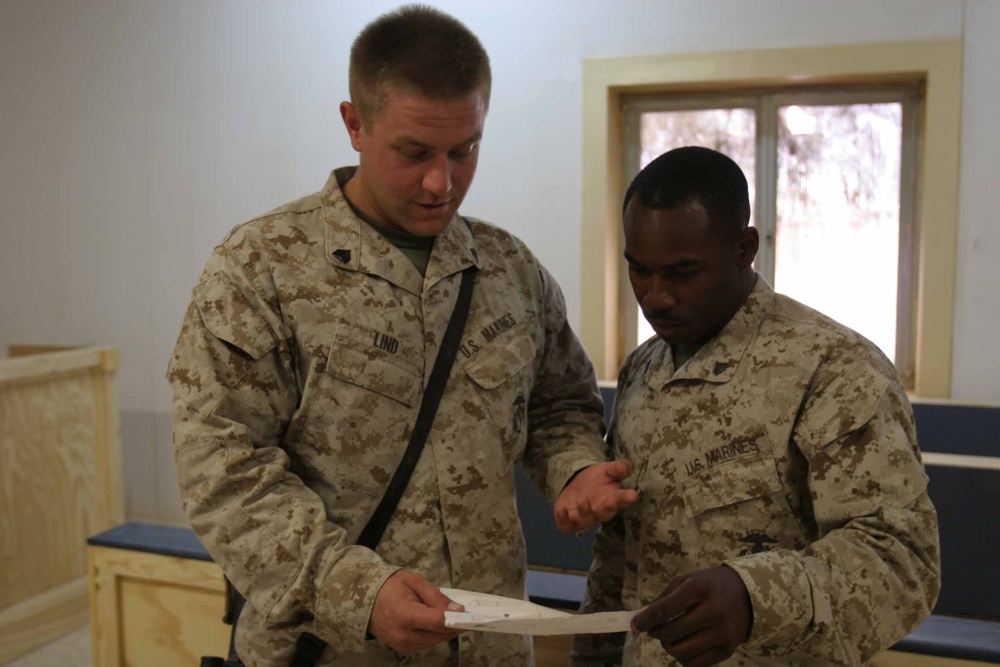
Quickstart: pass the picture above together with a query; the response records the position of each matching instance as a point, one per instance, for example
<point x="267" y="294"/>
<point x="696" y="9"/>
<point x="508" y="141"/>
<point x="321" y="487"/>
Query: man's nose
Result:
<point x="659" y="296"/>
<point x="437" y="179"/>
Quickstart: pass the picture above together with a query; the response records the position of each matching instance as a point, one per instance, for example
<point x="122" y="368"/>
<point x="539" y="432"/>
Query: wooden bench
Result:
<point x="157" y="599"/>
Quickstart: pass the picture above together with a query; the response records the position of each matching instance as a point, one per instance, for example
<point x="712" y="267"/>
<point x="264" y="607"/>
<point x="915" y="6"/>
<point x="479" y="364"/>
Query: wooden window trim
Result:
<point x="937" y="63"/>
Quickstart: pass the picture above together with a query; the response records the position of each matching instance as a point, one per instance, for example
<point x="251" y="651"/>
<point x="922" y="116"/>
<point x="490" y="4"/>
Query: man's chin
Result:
<point x="429" y="225"/>
<point x="670" y="332"/>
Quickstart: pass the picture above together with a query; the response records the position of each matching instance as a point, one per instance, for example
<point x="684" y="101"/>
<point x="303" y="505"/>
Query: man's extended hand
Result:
<point x="595" y="494"/>
<point x="409" y="613"/>
<point x="700" y="618"/>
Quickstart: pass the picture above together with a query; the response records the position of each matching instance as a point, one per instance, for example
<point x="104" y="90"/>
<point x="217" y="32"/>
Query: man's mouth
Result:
<point x="433" y="207"/>
<point x="663" y="322"/>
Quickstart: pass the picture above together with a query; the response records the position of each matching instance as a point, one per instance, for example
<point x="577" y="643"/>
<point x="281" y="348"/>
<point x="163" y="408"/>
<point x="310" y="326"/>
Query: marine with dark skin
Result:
<point x="783" y="515"/>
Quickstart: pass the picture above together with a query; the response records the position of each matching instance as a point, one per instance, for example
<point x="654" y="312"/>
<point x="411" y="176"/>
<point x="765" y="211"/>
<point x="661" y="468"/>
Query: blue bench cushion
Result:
<point x="547" y="588"/>
<point x="951" y="637"/>
<point x="556" y="589"/>
<point x="152" y="538"/>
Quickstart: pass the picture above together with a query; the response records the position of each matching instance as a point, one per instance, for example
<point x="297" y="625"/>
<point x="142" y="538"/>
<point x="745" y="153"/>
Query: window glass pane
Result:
<point x="837" y="227"/>
<point x="729" y="131"/>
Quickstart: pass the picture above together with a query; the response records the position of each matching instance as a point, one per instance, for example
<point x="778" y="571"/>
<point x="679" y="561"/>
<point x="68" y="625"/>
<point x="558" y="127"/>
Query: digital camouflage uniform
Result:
<point x="785" y="448"/>
<point x="297" y="378"/>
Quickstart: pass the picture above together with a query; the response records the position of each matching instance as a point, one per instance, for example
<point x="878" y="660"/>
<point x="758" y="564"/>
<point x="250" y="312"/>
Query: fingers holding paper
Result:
<point x="408" y="614"/>
<point x="701" y="617"/>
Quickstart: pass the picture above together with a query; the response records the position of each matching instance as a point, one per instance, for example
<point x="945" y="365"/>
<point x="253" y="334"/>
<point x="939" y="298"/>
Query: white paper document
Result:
<point x="493" y="613"/>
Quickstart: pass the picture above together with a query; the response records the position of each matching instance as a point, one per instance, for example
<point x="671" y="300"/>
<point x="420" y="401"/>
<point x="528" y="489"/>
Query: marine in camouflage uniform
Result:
<point x="784" y="450"/>
<point x="297" y="378"/>
<point x="304" y="356"/>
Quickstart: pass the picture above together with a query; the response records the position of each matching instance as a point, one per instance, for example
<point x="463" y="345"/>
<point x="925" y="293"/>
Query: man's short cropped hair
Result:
<point x="697" y="174"/>
<point x="416" y="49"/>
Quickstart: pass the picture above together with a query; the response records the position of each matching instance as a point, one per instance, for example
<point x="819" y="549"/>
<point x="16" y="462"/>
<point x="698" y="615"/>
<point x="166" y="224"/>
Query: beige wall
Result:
<point x="136" y="133"/>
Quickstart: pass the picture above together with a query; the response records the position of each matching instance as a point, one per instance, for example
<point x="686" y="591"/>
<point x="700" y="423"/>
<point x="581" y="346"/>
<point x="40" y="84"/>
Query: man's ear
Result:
<point x="352" y="121"/>
<point x="746" y="247"/>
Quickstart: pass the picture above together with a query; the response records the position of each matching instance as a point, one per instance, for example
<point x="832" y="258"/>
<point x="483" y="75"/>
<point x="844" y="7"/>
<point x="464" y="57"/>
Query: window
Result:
<point x="831" y="175"/>
<point x="933" y="66"/>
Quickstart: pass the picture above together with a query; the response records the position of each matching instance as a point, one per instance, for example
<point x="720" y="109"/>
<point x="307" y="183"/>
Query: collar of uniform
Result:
<point x="453" y="251"/>
<point x="353" y="245"/>
<point x="660" y="367"/>
<point x="718" y="359"/>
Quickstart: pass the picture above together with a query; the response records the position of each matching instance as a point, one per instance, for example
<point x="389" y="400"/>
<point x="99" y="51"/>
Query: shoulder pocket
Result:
<point x="375" y="370"/>
<point x="229" y="316"/>
<point x="731" y="483"/>
<point x="501" y="361"/>
<point x="845" y="405"/>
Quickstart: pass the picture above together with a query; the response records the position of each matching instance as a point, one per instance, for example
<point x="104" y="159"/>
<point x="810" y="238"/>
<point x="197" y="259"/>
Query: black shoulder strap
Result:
<point x="309" y="647"/>
<point x="372" y="532"/>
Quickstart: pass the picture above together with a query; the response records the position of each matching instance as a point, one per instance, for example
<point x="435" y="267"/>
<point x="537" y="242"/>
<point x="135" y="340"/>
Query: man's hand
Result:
<point x="700" y="618"/>
<point x="595" y="494"/>
<point x="409" y="613"/>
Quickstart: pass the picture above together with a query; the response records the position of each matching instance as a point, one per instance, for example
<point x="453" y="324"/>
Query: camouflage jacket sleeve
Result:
<point x="235" y="390"/>
<point x="605" y="581"/>
<point x="873" y="574"/>
<point x="565" y="413"/>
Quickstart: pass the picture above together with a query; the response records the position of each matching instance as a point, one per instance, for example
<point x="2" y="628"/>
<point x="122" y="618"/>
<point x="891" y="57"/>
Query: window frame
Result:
<point x="764" y="103"/>
<point x="937" y="65"/>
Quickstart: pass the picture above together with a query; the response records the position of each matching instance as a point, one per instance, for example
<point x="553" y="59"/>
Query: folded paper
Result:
<point x="493" y="613"/>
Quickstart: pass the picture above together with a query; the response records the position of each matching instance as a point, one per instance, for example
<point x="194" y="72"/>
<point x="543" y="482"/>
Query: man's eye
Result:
<point x="464" y="152"/>
<point x="638" y="270"/>
<point x="414" y="154"/>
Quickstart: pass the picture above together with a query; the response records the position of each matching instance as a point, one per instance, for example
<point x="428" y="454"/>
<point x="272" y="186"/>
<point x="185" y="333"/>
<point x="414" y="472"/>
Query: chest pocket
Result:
<point x="353" y="430"/>
<point x="375" y="370"/>
<point x="739" y="507"/>
<point x="503" y="389"/>
<point x="731" y="483"/>
<point x="501" y="361"/>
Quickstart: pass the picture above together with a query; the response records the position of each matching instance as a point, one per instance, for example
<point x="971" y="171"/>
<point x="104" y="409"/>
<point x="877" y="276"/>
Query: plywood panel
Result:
<point x="60" y="482"/>
<point x="49" y="473"/>
<point x="167" y="624"/>
<point x="149" y="610"/>
<point x="553" y="651"/>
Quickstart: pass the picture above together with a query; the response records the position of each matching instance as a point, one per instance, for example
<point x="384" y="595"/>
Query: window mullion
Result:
<point x="628" y="320"/>
<point x="765" y="208"/>
<point x="906" y="302"/>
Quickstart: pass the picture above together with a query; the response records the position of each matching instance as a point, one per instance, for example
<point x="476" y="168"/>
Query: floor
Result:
<point x="72" y="650"/>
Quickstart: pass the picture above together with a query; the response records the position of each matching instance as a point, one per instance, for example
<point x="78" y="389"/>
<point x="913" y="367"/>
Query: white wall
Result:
<point x="135" y="134"/>
<point x="975" y="357"/>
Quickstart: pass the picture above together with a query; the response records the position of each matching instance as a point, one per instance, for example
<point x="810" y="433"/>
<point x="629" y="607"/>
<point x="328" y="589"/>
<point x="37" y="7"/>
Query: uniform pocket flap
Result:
<point x="501" y="361"/>
<point x="229" y="316"/>
<point x="734" y="482"/>
<point x="375" y="370"/>
<point x="845" y="405"/>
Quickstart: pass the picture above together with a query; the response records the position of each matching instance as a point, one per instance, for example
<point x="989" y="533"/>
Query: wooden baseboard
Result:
<point x="42" y="618"/>
<point x="19" y="350"/>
